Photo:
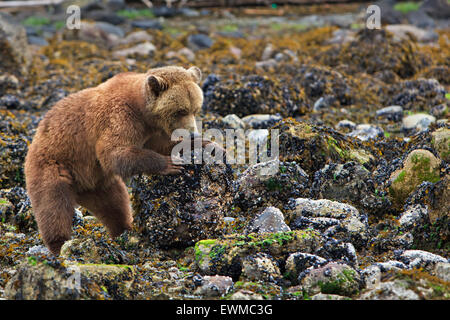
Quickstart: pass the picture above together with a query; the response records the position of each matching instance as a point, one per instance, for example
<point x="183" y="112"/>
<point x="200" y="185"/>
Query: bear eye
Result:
<point x="181" y="113"/>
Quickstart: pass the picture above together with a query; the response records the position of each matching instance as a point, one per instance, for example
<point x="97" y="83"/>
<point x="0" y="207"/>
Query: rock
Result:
<point x="402" y="31"/>
<point x="420" y="165"/>
<point x="84" y="248"/>
<point x="214" y="286"/>
<point x="245" y="295"/>
<point x="324" y="103"/>
<point x="372" y="274"/>
<point x="10" y="101"/>
<point x="323" y="296"/>
<point x="199" y="41"/>
<point x="188" y="53"/>
<point x="315" y="146"/>
<point x="38" y="250"/>
<point x="439" y="9"/>
<point x="270" y="183"/>
<point x="233" y="121"/>
<point x="110" y="29"/>
<point x="419" y="121"/>
<point x="226" y="256"/>
<point x="338" y="251"/>
<point x="260" y="267"/>
<point x="346" y="125"/>
<point x="330" y="218"/>
<point x="40" y="281"/>
<point x="442" y="271"/>
<point x="144" y="49"/>
<point x="16" y="209"/>
<point x="147" y="24"/>
<point x="419" y="259"/>
<point x="342" y="36"/>
<point x="391" y="113"/>
<point x="266" y="64"/>
<point x="280" y="57"/>
<point x="333" y="278"/>
<point x="105" y="16"/>
<point x="14" y="51"/>
<point x="37" y="41"/>
<point x="166" y="12"/>
<point x="96" y="33"/>
<point x="413" y="216"/>
<point x="8" y="81"/>
<point x="439" y="110"/>
<point x="441" y="143"/>
<point x="116" y="4"/>
<point x="418" y="94"/>
<point x="252" y="94"/>
<point x="298" y="262"/>
<point x="389" y="15"/>
<point x="258" y="136"/>
<point x="236" y="52"/>
<point x="136" y="36"/>
<point x="365" y="132"/>
<point x="181" y="209"/>
<point x="270" y="220"/>
<point x="17" y="131"/>
<point x="188" y="12"/>
<point x="349" y="182"/>
<point x="421" y="19"/>
<point x="267" y="52"/>
<point x="392" y="290"/>
<point x="364" y="52"/>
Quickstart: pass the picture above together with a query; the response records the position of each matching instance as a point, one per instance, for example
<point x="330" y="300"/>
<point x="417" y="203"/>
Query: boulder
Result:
<point x="16" y="57"/>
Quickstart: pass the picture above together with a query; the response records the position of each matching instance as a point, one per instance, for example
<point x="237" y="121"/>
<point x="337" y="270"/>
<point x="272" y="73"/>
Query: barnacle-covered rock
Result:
<point x="313" y="146"/>
<point x="16" y="209"/>
<point x="14" y="139"/>
<point x="260" y="267"/>
<point x="331" y="218"/>
<point x="365" y="52"/>
<point x="350" y="182"/>
<point x="252" y="95"/>
<point x="418" y="94"/>
<point x="269" y="183"/>
<point x="179" y="210"/>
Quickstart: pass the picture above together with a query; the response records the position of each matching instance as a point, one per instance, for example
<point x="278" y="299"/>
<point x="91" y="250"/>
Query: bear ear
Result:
<point x="157" y="84"/>
<point x="196" y="74"/>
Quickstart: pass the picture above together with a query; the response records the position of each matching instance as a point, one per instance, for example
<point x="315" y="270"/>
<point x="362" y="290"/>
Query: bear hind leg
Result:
<point x="111" y="205"/>
<point x="53" y="208"/>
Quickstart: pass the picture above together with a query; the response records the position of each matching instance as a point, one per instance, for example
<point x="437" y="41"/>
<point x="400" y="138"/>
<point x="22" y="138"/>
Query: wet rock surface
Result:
<point x="355" y="206"/>
<point x="170" y="216"/>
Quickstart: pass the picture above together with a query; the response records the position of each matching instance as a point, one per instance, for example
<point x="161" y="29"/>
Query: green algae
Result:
<point x="407" y="6"/>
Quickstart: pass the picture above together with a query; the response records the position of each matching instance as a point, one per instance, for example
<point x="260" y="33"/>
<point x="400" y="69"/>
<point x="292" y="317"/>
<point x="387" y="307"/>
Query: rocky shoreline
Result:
<point x="359" y="208"/>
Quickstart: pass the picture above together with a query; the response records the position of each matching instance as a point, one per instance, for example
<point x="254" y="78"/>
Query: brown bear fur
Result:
<point x="93" y="139"/>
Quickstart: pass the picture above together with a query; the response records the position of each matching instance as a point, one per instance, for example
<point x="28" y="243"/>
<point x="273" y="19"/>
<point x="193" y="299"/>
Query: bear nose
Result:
<point x="192" y="125"/>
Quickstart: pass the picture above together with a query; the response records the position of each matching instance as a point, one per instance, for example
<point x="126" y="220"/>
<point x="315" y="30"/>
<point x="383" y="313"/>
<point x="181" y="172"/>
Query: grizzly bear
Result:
<point x="90" y="141"/>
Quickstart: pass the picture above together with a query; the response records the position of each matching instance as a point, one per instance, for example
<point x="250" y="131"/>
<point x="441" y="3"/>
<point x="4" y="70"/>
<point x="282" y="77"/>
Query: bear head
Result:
<point x="174" y="98"/>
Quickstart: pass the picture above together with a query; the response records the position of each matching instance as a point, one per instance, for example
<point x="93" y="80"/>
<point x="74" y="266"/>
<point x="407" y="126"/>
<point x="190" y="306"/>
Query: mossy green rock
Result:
<point x="420" y="165"/>
<point x="441" y="142"/>
<point x="40" y="281"/>
<point x="314" y="146"/>
<point x="334" y="278"/>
